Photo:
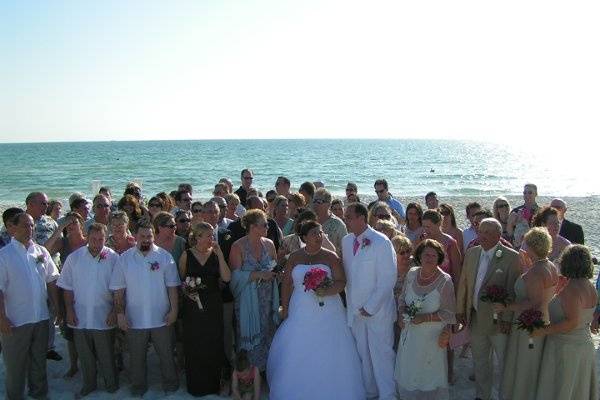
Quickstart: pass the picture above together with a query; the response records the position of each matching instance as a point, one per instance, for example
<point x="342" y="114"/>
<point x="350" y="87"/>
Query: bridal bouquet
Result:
<point x="412" y="309"/>
<point x="316" y="278"/>
<point x="530" y="320"/>
<point x="191" y="288"/>
<point x="495" y="294"/>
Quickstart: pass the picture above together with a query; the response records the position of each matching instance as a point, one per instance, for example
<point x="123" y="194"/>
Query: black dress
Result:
<point x="203" y="330"/>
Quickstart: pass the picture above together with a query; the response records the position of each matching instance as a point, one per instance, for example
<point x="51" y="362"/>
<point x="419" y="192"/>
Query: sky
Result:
<point x="511" y="71"/>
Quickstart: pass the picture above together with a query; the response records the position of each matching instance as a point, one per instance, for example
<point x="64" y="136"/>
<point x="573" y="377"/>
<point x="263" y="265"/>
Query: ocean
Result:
<point x="459" y="171"/>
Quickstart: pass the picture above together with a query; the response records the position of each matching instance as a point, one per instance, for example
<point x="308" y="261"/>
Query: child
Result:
<point x="245" y="379"/>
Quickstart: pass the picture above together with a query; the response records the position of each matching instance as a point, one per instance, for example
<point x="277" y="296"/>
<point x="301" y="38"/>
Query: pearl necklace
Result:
<point x="426" y="279"/>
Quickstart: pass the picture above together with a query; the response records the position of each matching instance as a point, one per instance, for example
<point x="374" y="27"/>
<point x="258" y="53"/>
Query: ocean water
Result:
<point x="412" y="167"/>
<point x="459" y="171"/>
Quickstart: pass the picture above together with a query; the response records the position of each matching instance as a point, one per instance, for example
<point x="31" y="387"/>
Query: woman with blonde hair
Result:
<point x="252" y="259"/>
<point x="296" y="204"/>
<point x="501" y="210"/>
<point x="533" y="290"/>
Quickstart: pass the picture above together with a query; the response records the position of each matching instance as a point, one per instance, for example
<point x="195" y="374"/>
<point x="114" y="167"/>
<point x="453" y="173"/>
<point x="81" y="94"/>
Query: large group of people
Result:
<point x="297" y="294"/>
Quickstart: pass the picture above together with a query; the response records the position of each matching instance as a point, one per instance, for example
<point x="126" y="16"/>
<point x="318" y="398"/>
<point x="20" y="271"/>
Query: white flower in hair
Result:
<point x="198" y="281"/>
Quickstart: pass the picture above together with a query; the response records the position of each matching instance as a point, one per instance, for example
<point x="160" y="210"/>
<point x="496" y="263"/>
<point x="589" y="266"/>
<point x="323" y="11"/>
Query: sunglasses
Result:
<point x="502" y="206"/>
<point x="319" y="201"/>
<point x="196" y="211"/>
<point x="102" y="205"/>
<point x="184" y="220"/>
<point x="171" y="226"/>
<point x="527" y="192"/>
<point x="154" y="205"/>
<point x="384" y="216"/>
<point x="350" y="190"/>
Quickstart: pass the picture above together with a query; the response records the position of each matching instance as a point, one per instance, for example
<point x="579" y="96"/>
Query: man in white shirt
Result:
<point x="85" y="278"/>
<point x="145" y="282"/>
<point x="27" y="276"/>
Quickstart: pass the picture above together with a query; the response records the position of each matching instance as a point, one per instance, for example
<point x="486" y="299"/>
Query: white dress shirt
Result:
<point x="468" y="235"/>
<point x="89" y="279"/>
<point x="24" y="274"/>
<point x="147" y="298"/>
<point x="484" y="262"/>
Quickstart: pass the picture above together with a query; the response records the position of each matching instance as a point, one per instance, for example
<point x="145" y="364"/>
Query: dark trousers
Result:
<point x="138" y="339"/>
<point x="96" y="347"/>
<point x="24" y="354"/>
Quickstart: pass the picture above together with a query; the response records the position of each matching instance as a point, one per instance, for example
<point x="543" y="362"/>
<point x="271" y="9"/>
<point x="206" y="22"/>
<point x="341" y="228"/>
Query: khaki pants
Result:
<point x="24" y="354"/>
<point x="138" y="339"/>
<point x="96" y="346"/>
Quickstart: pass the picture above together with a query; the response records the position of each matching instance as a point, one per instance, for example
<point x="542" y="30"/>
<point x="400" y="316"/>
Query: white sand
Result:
<point x="61" y="388"/>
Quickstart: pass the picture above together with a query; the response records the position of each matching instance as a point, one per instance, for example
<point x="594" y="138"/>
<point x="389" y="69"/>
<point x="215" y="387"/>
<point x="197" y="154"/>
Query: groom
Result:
<point x="370" y="265"/>
<point x="490" y="263"/>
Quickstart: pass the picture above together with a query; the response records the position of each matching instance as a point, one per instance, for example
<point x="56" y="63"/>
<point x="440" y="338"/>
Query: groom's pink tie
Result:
<point x="355" y="246"/>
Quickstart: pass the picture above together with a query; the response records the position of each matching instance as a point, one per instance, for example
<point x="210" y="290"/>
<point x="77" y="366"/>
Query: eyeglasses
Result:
<point x="379" y="191"/>
<point x="102" y="205"/>
<point x="384" y="216"/>
<point x="502" y="206"/>
<point x="154" y="205"/>
<point x="171" y="226"/>
<point x="196" y="211"/>
<point x="184" y="220"/>
<point x="319" y="201"/>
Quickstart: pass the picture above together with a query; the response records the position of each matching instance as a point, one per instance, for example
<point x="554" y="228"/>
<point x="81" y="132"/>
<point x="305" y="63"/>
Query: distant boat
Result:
<point x="432" y="170"/>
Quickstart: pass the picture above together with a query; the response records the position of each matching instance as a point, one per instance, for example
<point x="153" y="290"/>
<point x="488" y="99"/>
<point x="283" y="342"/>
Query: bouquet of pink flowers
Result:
<point x="495" y="294"/>
<point x="317" y="278"/>
<point x="191" y="288"/>
<point x="530" y="320"/>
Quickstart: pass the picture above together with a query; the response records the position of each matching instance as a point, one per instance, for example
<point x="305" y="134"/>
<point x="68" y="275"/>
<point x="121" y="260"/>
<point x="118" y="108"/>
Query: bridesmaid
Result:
<point x="568" y="369"/>
<point x="203" y="329"/>
<point x="533" y="289"/>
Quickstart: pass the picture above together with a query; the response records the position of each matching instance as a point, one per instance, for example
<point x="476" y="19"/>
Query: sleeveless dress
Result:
<point x="259" y="353"/>
<point x="313" y="355"/>
<point x="522" y="364"/>
<point x="568" y="369"/>
<point x="203" y="329"/>
<point x="421" y="365"/>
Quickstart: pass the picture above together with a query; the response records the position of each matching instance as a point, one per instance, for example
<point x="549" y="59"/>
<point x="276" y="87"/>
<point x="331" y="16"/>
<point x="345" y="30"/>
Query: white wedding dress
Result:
<point x="313" y="354"/>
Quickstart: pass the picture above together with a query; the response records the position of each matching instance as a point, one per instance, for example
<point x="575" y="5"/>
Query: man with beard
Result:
<point x="145" y="282"/>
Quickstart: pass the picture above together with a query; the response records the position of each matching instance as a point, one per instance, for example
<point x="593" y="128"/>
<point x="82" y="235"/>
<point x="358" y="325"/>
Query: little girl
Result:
<point x="245" y="379"/>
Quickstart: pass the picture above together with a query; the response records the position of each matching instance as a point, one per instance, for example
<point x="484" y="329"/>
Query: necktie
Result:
<point x="355" y="246"/>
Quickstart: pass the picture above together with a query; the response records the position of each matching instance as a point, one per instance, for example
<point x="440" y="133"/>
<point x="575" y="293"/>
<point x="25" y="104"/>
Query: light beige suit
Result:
<point x="503" y="270"/>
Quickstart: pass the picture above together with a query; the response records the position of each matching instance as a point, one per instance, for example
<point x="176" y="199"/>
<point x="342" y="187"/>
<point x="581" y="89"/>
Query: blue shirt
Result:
<point x="396" y="206"/>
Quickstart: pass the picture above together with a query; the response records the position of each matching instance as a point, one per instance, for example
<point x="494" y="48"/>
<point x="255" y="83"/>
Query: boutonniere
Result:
<point x="498" y="253"/>
<point x="40" y="259"/>
<point x="365" y="242"/>
<point x="227" y="237"/>
<point x="154" y="266"/>
<point x="102" y="256"/>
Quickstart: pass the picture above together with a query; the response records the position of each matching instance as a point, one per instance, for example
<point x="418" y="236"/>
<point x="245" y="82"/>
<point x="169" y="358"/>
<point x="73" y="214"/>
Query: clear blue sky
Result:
<point x="111" y="70"/>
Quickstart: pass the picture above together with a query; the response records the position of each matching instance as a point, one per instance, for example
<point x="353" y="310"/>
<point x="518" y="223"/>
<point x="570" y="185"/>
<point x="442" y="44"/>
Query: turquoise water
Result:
<point x="412" y="167"/>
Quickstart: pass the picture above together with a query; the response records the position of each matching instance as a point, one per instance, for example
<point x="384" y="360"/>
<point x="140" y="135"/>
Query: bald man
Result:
<point x="569" y="230"/>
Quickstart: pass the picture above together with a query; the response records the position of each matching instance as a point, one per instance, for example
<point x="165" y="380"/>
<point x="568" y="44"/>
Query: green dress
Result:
<point x="568" y="370"/>
<point x="522" y="364"/>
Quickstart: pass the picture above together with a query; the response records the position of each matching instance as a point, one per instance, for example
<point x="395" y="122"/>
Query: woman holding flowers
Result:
<point x="533" y="291"/>
<point x="568" y="370"/>
<point x="201" y="268"/>
<point x="313" y="355"/>
<point x="425" y="307"/>
<point x="254" y="287"/>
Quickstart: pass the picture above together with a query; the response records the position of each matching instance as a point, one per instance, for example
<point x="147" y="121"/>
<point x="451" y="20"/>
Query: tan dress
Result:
<point x="568" y="370"/>
<point x="522" y="364"/>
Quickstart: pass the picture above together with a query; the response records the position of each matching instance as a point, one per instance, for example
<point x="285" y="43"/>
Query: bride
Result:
<point x="313" y="354"/>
